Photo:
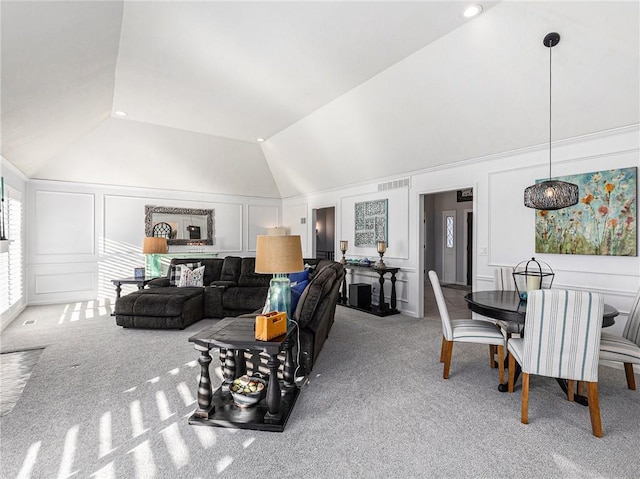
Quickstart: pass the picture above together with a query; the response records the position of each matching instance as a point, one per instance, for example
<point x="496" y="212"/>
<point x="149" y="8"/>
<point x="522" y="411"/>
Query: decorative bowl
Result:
<point x="248" y="391"/>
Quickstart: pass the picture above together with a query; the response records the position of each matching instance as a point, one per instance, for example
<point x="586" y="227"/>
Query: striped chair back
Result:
<point x="562" y="334"/>
<point x="447" y="330"/>
<point x="503" y="279"/>
<point x="632" y="328"/>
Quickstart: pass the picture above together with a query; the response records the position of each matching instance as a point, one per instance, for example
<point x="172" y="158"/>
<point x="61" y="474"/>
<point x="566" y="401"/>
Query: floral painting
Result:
<point x="604" y="222"/>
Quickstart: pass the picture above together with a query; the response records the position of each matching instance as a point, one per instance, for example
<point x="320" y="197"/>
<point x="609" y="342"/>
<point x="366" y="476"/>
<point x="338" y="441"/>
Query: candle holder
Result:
<point x="530" y="275"/>
<point x="344" y="245"/>
<point x="382" y="248"/>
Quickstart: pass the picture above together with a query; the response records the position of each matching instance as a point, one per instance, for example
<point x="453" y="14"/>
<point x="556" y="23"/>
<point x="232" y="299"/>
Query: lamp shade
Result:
<point x="278" y="254"/>
<point x="154" y="245"/>
<point x="551" y="195"/>
<point x="277" y="231"/>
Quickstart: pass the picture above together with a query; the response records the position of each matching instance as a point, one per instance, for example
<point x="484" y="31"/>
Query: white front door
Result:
<point x="449" y="246"/>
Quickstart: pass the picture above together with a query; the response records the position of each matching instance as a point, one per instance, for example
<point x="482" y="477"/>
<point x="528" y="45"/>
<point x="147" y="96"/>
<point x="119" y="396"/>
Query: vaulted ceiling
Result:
<point x="340" y="91"/>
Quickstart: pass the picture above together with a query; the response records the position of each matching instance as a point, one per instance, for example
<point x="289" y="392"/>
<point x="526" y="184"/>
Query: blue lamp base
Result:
<point x="280" y="295"/>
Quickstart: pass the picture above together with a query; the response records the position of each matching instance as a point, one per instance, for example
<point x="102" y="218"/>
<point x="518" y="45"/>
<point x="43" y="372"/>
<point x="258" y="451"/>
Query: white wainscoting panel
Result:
<point x="123" y="223"/>
<point x="64" y="282"/>
<point x="259" y="218"/>
<point x="65" y="223"/>
<point x="228" y="227"/>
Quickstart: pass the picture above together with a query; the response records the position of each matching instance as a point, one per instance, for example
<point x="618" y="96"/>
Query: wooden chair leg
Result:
<point x="447" y="358"/>
<point x="571" y="387"/>
<point x="512" y="372"/>
<point x="442" y="349"/>
<point x="631" y="378"/>
<point x="580" y="388"/>
<point x="594" y="409"/>
<point x="492" y="356"/>
<point x="501" y="363"/>
<point x="524" y="416"/>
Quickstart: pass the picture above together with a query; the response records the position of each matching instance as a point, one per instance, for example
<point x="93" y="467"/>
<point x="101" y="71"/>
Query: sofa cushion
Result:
<point x="175" y="271"/>
<point x="248" y="275"/>
<point x="158" y="302"/>
<point x="212" y="269"/>
<point x="231" y="269"/>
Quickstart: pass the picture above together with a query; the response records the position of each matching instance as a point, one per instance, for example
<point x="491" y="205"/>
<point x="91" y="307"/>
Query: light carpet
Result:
<point x="108" y="402"/>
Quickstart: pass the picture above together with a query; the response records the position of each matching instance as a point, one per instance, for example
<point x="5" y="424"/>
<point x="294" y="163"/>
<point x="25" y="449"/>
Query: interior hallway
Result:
<point x="453" y="295"/>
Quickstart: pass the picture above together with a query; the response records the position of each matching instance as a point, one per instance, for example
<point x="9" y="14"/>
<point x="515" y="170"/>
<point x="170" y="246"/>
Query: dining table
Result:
<point x="508" y="306"/>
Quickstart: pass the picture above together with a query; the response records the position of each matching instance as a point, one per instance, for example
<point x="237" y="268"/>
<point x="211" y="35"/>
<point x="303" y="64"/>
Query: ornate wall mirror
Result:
<point x="181" y="226"/>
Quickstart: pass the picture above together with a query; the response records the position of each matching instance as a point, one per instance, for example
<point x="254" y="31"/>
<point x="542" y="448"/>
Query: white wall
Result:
<point x="81" y="236"/>
<point x="504" y="228"/>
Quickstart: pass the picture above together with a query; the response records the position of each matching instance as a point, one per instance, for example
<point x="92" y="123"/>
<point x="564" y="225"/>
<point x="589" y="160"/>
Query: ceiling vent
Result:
<point x="391" y="185"/>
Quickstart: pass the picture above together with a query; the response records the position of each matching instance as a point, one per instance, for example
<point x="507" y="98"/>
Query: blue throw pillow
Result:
<point x="298" y="277"/>
<point x="296" y="292"/>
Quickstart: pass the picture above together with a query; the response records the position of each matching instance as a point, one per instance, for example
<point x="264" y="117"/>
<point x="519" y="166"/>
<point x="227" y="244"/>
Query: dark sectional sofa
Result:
<point x="232" y="288"/>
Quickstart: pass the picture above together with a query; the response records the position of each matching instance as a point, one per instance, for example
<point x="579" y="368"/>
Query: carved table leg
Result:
<point x="273" y="391"/>
<point x="343" y="296"/>
<point x="241" y="363"/>
<point x="382" y="306"/>
<point x="288" y="371"/>
<point x="118" y="290"/>
<point x="205" y="393"/>
<point x="393" y="291"/>
<point x="229" y="368"/>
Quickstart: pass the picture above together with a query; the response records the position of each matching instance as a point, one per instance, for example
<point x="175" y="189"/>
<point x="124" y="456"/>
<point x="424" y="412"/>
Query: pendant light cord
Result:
<point x="550" y="48"/>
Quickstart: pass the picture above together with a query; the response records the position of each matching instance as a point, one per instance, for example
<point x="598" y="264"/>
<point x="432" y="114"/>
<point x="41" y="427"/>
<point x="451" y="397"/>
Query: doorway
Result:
<point x="446" y="235"/>
<point x="325" y="237"/>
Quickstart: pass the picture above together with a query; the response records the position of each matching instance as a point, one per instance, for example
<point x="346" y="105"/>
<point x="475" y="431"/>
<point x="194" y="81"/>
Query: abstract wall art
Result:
<point x="370" y="222"/>
<point x="604" y="222"/>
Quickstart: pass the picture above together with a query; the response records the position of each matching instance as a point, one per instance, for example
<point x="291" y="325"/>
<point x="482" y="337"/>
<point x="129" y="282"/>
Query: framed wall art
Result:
<point x="604" y="222"/>
<point x="371" y="222"/>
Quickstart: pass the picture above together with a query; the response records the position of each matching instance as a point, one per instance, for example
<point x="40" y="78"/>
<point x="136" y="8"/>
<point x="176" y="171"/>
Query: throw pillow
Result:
<point x="296" y="293"/>
<point x="190" y="277"/>
<point x="176" y="271"/>
<point x="297" y="277"/>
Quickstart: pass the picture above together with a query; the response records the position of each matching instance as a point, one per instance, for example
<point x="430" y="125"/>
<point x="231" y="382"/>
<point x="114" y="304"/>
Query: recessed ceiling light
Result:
<point x="120" y="113"/>
<point x="472" y="11"/>
<point x="260" y="140"/>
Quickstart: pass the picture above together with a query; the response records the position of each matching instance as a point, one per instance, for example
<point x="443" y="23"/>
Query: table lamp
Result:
<point x="279" y="255"/>
<point x="344" y="245"/>
<point x="153" y="247"/>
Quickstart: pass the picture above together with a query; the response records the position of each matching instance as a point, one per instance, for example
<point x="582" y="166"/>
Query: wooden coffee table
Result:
<point x="234" y="336"/>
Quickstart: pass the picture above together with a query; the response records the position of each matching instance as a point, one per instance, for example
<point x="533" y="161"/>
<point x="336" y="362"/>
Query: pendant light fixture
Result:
<point x="551" y="194"/>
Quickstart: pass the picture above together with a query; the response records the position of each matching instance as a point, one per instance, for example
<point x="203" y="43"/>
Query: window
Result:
<point x="450" y="231"/>
<point x="11" y="262"/>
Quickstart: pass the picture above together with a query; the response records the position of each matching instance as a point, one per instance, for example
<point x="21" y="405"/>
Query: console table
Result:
<point x="233" y="336"/>
<point x="382" y="308"/>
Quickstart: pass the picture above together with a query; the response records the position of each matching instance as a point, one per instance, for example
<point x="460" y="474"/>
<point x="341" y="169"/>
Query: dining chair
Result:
<point x="626" y="348"/>
<point x="503" y="281"/>
<point x="464" y="331"/>
<point x="561" y="340"/>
